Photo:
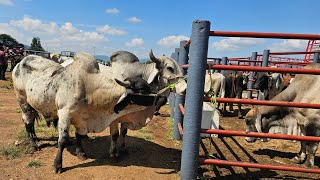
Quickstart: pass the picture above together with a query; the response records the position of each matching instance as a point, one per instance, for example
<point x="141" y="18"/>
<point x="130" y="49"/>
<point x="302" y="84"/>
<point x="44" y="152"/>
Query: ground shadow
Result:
<point x="140" y="153"/>
<point x="289" y="155"/>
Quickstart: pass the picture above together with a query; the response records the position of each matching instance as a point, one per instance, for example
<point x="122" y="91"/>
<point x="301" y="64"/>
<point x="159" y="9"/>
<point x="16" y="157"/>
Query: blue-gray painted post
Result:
<point x="194" y="99"/>
<point x="224" y="61"/>
<point x="265" y="62"/>
<point x="316" y="57"/>
<point x="178" y="117"/>
<point x="171" y="96"/>
<point x="218" y="61"/>
<point x="250" y="83"/>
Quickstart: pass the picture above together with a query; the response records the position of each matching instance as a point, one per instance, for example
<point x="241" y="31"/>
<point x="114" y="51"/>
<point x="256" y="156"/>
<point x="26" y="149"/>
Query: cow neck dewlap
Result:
<point x="101" y="90"/>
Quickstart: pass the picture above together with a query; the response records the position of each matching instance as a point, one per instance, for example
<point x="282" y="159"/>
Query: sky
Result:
<point x="101" y="27"/>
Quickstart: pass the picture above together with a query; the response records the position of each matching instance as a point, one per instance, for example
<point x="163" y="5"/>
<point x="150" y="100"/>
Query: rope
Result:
<point x="170" y="86"/>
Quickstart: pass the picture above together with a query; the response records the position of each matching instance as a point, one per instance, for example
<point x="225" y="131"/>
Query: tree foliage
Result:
<point x="36" y="44"/>
<point x="9" y="41"/>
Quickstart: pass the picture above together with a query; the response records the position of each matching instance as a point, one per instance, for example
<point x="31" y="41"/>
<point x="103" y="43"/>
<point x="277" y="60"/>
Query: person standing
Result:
<point x="3" y="62"/>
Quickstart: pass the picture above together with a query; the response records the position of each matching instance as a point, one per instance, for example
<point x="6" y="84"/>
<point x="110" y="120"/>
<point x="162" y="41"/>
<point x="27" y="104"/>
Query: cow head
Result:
<point x="253" y="123"/>
<point x="170" y="72"/>
<point x="262" y="82"/>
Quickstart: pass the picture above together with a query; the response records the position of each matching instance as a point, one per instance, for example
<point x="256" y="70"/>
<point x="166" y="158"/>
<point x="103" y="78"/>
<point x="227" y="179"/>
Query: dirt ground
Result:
<point x="151" y="153"/>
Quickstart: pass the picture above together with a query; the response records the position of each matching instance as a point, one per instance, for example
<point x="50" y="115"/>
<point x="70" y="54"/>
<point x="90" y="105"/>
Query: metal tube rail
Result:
<point x="181" y="109"/>
<point x="263" y="69"/>
<point x="290" y="53"/>
<point x="265" y="35"/>
<point x="273" y="62"/>
<point x="255" y="165"/>
<point x="264" y="102"/>
<point x="260" y="135"/>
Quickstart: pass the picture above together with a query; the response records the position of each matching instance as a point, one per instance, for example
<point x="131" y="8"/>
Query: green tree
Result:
<point x="9" y="41"/>
<point x="36" y="44"/>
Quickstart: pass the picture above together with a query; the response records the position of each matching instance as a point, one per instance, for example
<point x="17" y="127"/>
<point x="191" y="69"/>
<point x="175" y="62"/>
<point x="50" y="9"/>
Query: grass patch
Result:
<point x="11" y="151"/>
<point x="22" y="135"/>
<point x="35" y="163"/>
<point x="145" y="130"/>
<point x="9" y="86"/>
<point x="170" y="125"/>
<point x="145" y="137"/>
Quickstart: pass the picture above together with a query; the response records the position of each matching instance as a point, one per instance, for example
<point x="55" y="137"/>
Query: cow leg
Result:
<point x="79" y="148"/>
<point x="63" y="129"/>
<point x="28" y="116"/>
<point x="301" y="156"/>
<point x="231" y="107"/>
<point x="311" y="148"/>
<point x="123" y="134"/>
<point x="239" y="107"/>
<point x="114" y="132"/>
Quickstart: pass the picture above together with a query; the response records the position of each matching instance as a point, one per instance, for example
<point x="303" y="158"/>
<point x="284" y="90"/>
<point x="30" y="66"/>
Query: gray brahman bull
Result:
<point x="291" y="121"/>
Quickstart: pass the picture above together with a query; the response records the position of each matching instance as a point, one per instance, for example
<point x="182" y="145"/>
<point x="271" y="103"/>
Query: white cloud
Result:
<point x="112" y="11"/>
<point x="134" y="20"/>
<point x="172" y="41"/>
<point x="53" y="37"/>
<point x="235" y="43"/>
<point x="289" y="45"/>
<point x="6" y="2"/>
<point x="111" y="31"/>
<point x="135" y="42"/>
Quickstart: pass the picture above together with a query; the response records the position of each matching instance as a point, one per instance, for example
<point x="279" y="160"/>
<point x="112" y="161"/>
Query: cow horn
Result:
<point x="123" y="83"/>
<point x="153" y="58"/>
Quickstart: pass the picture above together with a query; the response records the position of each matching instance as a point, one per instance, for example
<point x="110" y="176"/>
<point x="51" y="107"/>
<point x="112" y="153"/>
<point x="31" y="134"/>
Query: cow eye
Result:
<point x="170" y="69"/>
<point x="248" y="122"/>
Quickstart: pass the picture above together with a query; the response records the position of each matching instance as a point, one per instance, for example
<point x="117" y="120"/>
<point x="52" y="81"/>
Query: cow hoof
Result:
<point x="240" y="117"/>
<point x="58" y="170"/>
<point x="33" y="149"/>
<point x="297" y="160"/>
<point x="308" y="164"/>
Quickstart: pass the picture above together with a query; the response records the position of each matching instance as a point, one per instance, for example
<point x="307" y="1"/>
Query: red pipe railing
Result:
<point x="265" y="35"/>
<point x="254" y="165"/>
<point x="263" y="69"/>
<point x="260" y="135"/>
<point x="181" y="109"/>
<point x="272" y="62"/>
<point x="265" y="103"/>
<point x="187" y="44"/>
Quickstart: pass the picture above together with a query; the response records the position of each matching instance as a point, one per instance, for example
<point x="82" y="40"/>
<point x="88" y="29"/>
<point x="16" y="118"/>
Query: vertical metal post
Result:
<point x="316" y="57"/>
<point x="265" y="62"/>
<point x="171" y="96"/>
<point x="194" y="99"/>
<point x="183" y="59"/>
<point x="250" y="82"/>
<point x="218" y="61"/>
<point x="224" y="61"/>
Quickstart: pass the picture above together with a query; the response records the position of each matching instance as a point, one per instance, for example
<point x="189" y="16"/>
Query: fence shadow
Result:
<point x="140" y="153"/>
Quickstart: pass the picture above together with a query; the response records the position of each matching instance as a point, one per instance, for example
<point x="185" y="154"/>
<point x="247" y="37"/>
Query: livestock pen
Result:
<point x="194" y="98"/>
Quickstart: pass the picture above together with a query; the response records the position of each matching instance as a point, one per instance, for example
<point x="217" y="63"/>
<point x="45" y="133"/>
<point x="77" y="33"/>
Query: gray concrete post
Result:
<point x="218" y="61"/>
<point x="265" y="62"/>
<point x="171" y="96"/>
<point x="250" y="83"/>
<point x="178" y="117"/>
<point x="224" y="61"/>
<point x="194" y="99"/>
<point x="316" y="57"/>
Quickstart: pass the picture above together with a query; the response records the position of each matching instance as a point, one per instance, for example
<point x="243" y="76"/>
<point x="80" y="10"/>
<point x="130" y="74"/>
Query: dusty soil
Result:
<point x="151" y="154"/>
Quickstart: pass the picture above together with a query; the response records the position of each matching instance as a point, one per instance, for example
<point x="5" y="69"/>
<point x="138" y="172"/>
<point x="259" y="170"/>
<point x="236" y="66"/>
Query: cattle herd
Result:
<point x="92" y="97"/>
